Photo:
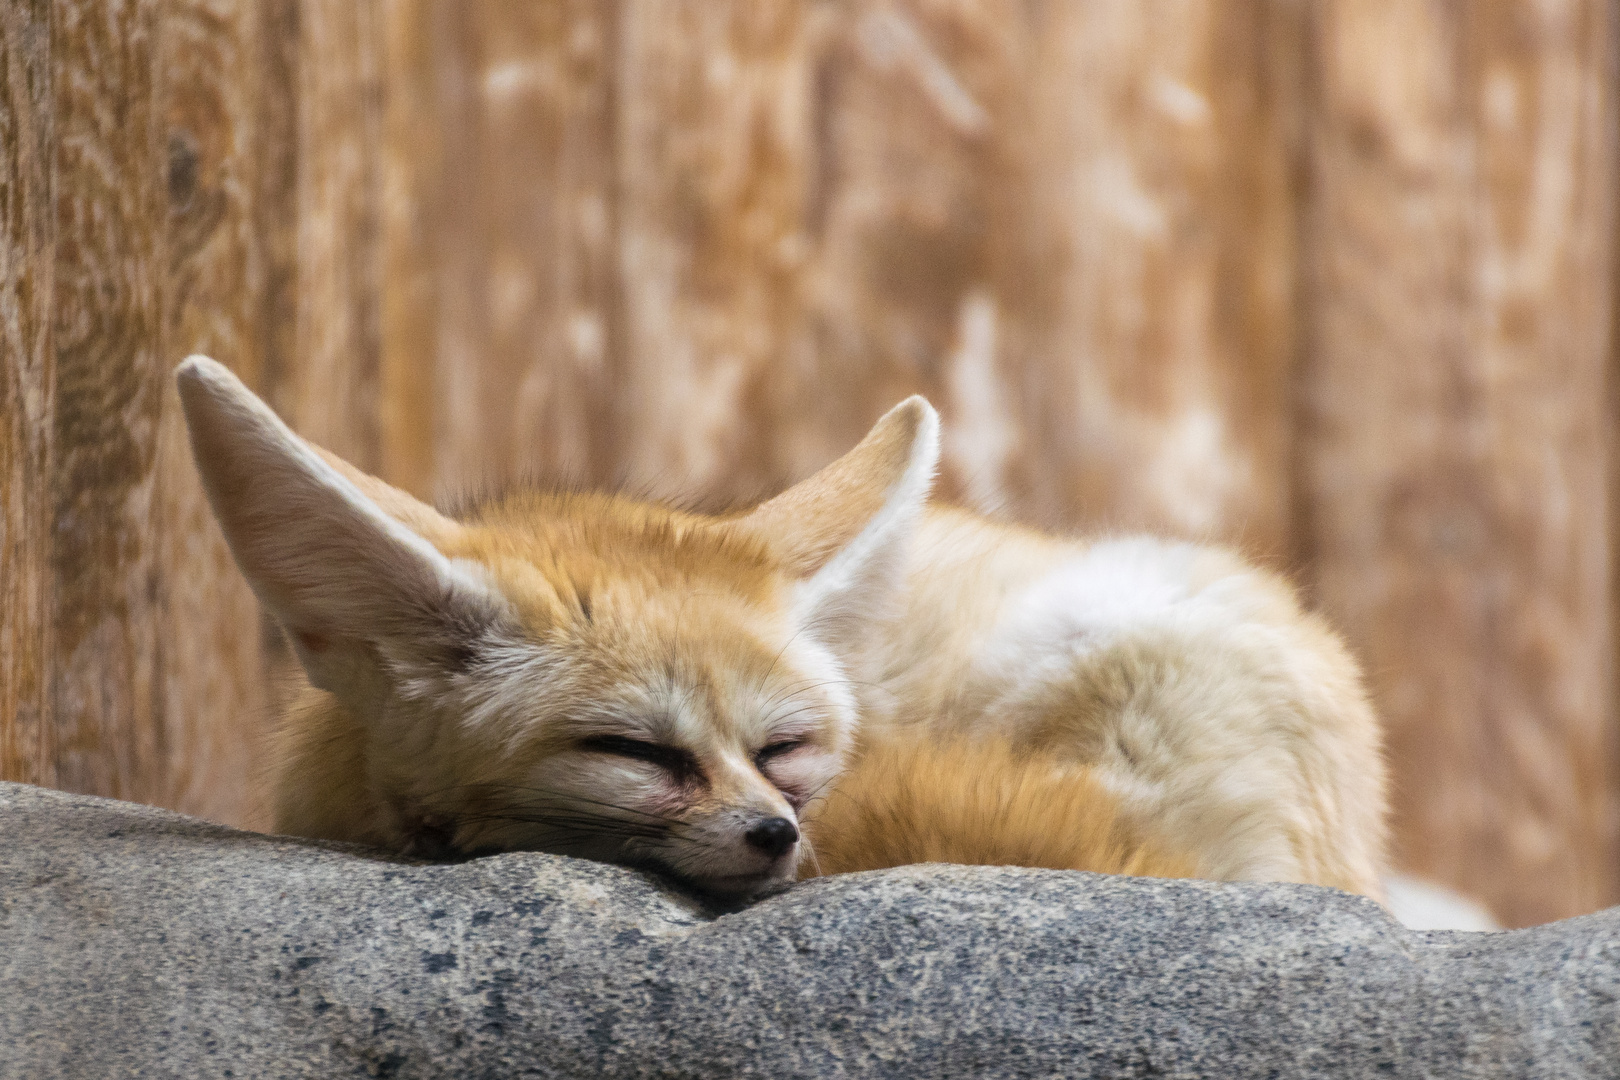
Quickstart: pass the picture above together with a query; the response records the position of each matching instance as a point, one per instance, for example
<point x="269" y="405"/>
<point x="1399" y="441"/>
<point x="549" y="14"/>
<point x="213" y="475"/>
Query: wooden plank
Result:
<point x="1084" y="258"/>
<point x="498" y="246"/>
<point x="221" y="80"/>
<point x="1460" y="260"/>
<point x="275" y="197"/>
<point x="1159" y="318"/>
<point x="329" y="389"/>
<point x="27" y="393"/>
<point x="526" y="253"/>
<point x="413" y="191"/>
<point x="911" y="230"/>
<point x="712" y="137"/>
<point x="108" y="737"/>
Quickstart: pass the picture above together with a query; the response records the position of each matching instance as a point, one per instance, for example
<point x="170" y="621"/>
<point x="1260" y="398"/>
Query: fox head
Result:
<point x="575" y="673"/>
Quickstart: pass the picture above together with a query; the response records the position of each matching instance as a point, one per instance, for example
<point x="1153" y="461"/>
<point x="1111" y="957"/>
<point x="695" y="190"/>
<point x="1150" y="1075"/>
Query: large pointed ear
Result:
<point x="340" y="558"/>
<point x="844" y="531"/>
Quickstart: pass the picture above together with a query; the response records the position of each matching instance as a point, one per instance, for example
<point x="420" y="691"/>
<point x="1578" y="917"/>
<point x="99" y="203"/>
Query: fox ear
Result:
<point x="844" y="531"/>
<point x="340" y="558"/>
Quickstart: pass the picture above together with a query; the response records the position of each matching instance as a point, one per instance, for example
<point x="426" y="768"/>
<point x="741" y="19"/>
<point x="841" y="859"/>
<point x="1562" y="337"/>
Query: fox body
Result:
<point x="598" y="676"/>
<point x="1219" y="715"/>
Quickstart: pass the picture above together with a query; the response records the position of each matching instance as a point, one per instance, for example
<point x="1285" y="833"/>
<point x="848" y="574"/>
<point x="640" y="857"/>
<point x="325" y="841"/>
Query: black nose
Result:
<point x="773" y="836"/>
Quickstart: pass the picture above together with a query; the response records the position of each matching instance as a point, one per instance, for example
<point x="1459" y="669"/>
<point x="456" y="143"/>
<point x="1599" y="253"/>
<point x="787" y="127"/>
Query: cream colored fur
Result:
<point x="1222" y="716"/>
<point x="599" y="676"/>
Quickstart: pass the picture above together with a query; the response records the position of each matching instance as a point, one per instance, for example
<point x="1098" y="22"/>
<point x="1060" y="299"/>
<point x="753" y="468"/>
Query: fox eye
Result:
<point x="776" y="749"/>
<point x="672" y="759"/>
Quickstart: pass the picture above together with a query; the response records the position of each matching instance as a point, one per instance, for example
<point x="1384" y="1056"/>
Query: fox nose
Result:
<point x="773" y="836"/>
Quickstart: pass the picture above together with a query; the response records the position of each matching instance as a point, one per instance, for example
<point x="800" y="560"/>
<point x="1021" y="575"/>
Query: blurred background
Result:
<point x="1331" y="281"/>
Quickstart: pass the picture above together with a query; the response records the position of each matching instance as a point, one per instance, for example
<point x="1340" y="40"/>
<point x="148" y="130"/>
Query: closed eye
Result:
<point x="677" y="762"/>
<point x="776" y="749"/>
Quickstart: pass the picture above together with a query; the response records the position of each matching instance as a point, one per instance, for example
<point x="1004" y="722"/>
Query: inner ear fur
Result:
<point x="891" y="470"/>
<point x="403" y="507"/>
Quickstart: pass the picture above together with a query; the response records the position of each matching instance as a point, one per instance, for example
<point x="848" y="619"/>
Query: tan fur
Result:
<point x="499" y="680"/>
<point x="978" y="802"/>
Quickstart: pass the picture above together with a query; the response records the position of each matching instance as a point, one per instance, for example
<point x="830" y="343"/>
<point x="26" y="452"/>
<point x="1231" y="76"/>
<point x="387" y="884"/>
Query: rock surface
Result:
<point x="135" y="942"/>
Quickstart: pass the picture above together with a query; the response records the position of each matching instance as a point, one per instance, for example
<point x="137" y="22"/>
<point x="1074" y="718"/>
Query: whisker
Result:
<point x="561" y="820"/>
<point x="536" y="816"/>
<point x="810" y="850"/>
<point x="565" y="797"/>
<point x="777" y="659"/>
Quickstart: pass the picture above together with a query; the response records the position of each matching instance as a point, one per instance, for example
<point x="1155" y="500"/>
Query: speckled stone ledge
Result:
<point x="135" y="942"/>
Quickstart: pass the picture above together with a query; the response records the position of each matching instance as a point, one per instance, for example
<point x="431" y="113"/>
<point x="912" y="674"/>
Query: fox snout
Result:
<point x="773" y="837"/>
<point x="739" y="852"/>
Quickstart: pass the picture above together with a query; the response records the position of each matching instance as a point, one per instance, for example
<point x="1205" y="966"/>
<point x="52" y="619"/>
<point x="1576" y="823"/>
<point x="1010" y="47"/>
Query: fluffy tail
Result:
<point x="907" y="801"/>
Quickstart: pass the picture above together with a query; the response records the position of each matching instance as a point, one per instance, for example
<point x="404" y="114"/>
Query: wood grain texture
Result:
<point x="1162" y="160"/>
<point x="108" y="264"/>
<point x="498" y="326"/>
<point x="27" y="394"/>
<point x="914" y="207"/>
<point x="275" y="189"/>
<point x="1454" y="425"/>
<point x="712" y="143"/>
<point x="329" y="390"/>
<point x="138" y="669"/>
<point x="413" y="183"/>
<point x="1071" y="225"/>
<point x="219" y="77"/>
<point x="944" y="198"/>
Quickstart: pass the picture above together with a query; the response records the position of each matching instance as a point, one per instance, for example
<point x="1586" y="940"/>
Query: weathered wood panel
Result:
<point x="222" y="88"/>
<point x="498" y="351"/>
<point x="132" y="651"/>
<point x="712" y="143"/>
<point x="1162" y="159"/>
<point x="330" y="386"/>
<point x="414" y="133"/>
<point x="947" y="198"/>
<point x="108" y="264"/>
<point x="275" y="189"/>
<point x="1072" y="225"/>
<point x="1454" y="426"/>
<point x="915" y="234"/>
<point x="27" y="393"/>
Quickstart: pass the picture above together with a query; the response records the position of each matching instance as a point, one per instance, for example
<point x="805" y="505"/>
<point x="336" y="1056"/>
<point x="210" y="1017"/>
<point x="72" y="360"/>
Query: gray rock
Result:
<point x="135" y="942"/>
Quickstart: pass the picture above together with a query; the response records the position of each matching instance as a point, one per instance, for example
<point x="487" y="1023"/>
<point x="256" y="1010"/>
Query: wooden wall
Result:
<point x="1334" y="281"/>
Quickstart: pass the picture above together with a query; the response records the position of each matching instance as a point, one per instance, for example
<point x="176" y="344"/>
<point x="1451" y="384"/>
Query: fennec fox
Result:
<point x="597" y="676"/>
